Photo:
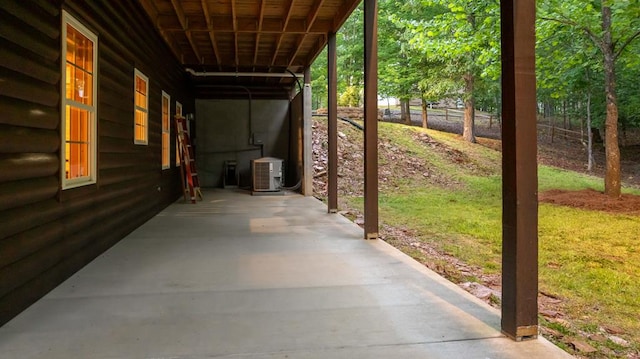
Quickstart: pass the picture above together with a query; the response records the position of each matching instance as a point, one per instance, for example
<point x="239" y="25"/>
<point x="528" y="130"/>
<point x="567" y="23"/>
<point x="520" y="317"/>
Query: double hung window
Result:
<point x="78" y="105"/>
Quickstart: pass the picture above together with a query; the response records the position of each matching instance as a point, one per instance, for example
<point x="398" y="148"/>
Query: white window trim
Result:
<point x="178" y="106"/>
<point x="168" y="131"/>
<point x="137" y="72"/>
<point x="67" y="19"/>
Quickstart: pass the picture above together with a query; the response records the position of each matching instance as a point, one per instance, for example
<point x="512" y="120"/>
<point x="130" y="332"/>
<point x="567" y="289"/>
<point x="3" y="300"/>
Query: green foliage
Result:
<point x="350" y="49"/>
<point x="350" y="97"/>
<point x="425" y="48"/>
<point x="629" y="87"/>
<point x="570" y="58"/>
<point x="462" y="40"/>
<point x="402" y="68"/>
<point x="319" y="90"/>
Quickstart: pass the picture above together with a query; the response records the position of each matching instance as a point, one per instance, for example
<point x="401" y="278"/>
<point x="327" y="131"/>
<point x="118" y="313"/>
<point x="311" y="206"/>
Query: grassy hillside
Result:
<point x="440" y="202"/>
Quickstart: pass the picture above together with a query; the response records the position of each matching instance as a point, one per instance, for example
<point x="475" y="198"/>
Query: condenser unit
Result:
<point x="268" y="174"/>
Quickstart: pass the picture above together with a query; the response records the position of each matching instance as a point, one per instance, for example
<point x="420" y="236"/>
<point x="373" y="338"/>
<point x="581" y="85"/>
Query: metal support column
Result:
<point x="370" y="119"/>
<point x="307" y="150"/>
<point x="519" y="171"/>
<point x="332" y="109"/>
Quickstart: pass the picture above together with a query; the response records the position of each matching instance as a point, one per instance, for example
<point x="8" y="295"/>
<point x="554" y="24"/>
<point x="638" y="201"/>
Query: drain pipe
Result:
<point x="241" y="74"/>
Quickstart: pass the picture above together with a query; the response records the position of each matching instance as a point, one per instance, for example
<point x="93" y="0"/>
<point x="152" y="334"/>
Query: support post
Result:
<point x="519" y="171"/>
<point x="370" y="119"/>
<point x="332" y="109"/>
<point x="307" y="151"/>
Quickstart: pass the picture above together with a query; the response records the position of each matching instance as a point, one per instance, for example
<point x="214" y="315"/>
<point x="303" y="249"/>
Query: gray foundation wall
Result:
<point x="240" y="130"/>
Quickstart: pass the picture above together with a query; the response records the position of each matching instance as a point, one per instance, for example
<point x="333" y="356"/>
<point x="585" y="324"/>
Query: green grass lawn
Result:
<point x="589" y="259"/>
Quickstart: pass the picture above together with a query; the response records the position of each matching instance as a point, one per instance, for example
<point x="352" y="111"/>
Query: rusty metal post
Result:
<point x="332" y="109"/>
<point x="519" y="171"/>
<point x="307" y="124"/>
<point x="371" y="119"/>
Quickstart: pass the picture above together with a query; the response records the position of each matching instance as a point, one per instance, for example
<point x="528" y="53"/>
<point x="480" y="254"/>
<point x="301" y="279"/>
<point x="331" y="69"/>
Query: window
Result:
<point x="141" y="120"/>
<point x="179" y="113"/>
<point x="78" y="105"/>
<point x="166" y="132"/>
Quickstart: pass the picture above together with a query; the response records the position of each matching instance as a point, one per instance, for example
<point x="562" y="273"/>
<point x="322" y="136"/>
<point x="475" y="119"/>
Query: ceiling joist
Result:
<point x="212" y="37"/>
<point x="311" y="18"/>
<point x="184" y="22"/>
<point x="260" y="20"/>
<point x="284" y="29"/>
<point x="234" y="18"/>
<point x="268" y="36"/>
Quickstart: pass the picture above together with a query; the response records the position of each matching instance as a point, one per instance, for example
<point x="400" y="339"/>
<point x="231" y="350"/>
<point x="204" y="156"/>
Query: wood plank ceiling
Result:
<point x="256" y="36"/>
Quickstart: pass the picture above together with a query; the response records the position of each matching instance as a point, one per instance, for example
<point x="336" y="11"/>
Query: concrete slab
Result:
<point x="258" y="277"/>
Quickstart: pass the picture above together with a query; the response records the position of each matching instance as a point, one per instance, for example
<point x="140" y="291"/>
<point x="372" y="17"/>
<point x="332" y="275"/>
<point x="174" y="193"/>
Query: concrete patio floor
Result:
<point x="237" y="276"/>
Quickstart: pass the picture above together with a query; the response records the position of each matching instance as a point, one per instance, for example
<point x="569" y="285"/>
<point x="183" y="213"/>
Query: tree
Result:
<point x="400" y="64"/>
<point x="612" y="26"/>
<point x="350" y="49"/>
<point x="319" y="89"/>
<point x="567" y="68"/>
<point x="464" y="37"/>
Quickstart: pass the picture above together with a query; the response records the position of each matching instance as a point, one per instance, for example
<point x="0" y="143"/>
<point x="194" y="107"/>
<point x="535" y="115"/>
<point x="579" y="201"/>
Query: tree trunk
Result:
<point x="612" y="176"/>
<point x="468" y="132"/>
<point x="548" y="109"/>
<point x="404" y="116"/>
<point x="589" y="135"/>
<point x="425" y="115"/>
<point x="564" y="118"/>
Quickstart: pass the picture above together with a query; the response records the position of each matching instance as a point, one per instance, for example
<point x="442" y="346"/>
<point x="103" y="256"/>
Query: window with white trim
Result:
<point x="166" y="132"/>
<point x="179" y="113"/>
<point x="141" y="101"/>
<point x="78" y="103"/>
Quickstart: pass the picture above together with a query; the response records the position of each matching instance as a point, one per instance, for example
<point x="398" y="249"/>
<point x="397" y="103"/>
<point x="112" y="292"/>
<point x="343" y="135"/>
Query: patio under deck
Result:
<point x="258" y="277"/>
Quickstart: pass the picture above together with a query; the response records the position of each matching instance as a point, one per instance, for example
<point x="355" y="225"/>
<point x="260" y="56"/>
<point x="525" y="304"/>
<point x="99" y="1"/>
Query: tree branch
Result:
<point x="590" y="34"/>
<point x="626" y="43"/>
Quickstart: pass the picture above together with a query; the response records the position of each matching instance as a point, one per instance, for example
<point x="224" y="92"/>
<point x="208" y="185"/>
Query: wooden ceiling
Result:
<point x="257" y="36"/>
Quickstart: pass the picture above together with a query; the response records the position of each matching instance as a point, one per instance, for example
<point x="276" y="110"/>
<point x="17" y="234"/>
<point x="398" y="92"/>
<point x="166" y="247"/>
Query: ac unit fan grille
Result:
<point x="262" y="175"/>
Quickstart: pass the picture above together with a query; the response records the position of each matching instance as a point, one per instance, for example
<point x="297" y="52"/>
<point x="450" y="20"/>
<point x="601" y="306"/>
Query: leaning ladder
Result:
<point x="188" y="172"/>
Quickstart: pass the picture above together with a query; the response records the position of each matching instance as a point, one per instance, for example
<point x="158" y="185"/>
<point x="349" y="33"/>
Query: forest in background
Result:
<point x="587" y="58"/>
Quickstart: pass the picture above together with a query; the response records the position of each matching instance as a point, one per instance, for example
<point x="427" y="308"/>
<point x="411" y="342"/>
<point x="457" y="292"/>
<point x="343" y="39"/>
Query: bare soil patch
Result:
<point x="590" y="199"/>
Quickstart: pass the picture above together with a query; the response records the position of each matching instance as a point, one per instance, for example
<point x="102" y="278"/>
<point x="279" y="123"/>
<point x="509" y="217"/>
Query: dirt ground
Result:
<point x="593" y="200"/>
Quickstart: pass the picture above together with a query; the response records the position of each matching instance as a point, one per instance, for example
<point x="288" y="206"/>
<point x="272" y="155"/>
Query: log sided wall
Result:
<point x="47" y="234"/>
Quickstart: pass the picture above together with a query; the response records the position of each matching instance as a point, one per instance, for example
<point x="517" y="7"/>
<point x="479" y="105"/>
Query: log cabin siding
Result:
<point x="47" y="234"/>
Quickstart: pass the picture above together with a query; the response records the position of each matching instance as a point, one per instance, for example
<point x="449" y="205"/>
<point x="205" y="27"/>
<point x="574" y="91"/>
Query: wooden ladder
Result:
<point x="188" y="172"/>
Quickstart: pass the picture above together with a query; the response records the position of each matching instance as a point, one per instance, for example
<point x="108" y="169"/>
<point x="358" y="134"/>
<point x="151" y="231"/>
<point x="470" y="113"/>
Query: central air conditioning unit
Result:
<point x="268" y="174"/>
